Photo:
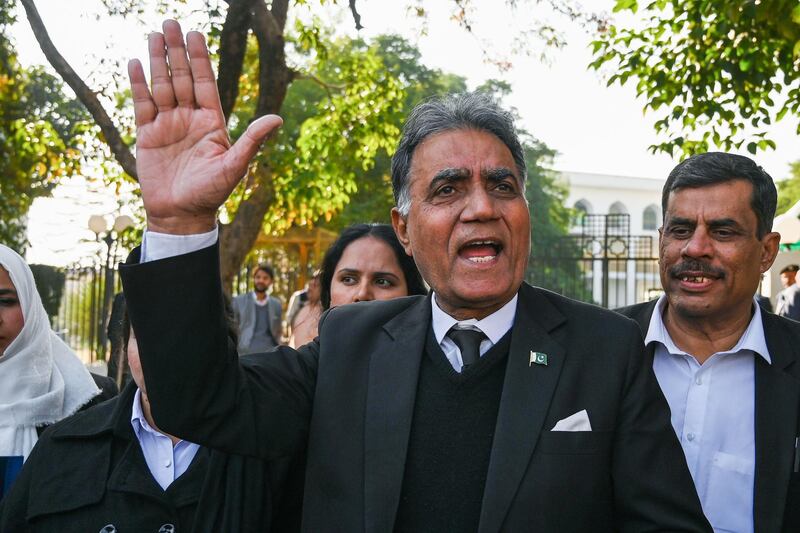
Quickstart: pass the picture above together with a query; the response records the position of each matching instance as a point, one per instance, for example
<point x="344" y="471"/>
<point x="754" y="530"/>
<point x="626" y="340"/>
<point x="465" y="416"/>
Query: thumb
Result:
<point x="246" y="147"/>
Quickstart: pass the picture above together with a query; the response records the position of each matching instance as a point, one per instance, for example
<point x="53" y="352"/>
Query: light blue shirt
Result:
<point x="713" y="414"/>
<point x="165" y="462"/>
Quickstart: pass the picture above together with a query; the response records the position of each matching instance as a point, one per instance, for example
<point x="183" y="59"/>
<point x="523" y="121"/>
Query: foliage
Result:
<point x="41" y="135"/>
<point x="342" y="101"/>
<point x="717" y="72"/>
<point x="789" y="189"/>
<point x="373" y="200"/>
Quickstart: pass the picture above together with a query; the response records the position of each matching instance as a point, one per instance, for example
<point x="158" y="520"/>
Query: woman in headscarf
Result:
<point x="41" y="380"/>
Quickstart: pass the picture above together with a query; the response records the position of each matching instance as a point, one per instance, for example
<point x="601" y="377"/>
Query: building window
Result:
<point x="582" y="208"/>
<point x="650" y="218"/>
<point x="617" y="223"/>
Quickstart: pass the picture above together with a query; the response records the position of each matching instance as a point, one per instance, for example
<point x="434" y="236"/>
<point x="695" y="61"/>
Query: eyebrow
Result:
<point x="498" y="174"/>
<point x="374" y="274"/>
<point x="8" y="292"/>
<point x="715" y="223"/>
<point x="449" y="175"/>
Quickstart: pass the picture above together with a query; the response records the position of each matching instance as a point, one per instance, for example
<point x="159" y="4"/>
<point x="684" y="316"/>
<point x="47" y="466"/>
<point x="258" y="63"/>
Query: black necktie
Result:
<point x="469" y="342"/>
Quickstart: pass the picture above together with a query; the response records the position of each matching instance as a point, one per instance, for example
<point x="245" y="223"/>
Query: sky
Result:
<point x="594" y="128"/>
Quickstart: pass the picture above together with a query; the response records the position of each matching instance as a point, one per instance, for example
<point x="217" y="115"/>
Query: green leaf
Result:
<point x="796" y="14"/>
<point x="622" y="5"/>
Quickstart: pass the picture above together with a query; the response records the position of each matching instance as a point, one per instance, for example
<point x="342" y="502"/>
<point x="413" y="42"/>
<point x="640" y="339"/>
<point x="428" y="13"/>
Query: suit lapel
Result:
<point x="527" y="391"/>
<point x="776" y="407"/>
<point x="391" y="392"/>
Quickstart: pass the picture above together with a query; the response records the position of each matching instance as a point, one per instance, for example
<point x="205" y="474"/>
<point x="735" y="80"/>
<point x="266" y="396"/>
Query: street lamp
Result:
<point x="98" y="224"/>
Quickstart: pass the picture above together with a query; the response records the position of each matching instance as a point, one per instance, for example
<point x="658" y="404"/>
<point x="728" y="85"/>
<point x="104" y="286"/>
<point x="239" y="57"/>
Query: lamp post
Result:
<point x="99" y="226"/>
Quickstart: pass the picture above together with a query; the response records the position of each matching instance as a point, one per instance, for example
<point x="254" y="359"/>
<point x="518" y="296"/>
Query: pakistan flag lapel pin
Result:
<point x="538" y="358"/>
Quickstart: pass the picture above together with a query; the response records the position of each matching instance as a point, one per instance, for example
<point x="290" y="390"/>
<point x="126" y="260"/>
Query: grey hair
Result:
<point x="477" y="111"/>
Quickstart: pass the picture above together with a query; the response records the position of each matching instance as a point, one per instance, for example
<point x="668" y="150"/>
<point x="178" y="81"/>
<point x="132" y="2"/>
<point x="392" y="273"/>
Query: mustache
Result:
<point x="696" y="266"/>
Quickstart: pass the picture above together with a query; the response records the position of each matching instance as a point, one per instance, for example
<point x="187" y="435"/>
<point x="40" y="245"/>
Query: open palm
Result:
<point x="184" y="160"/>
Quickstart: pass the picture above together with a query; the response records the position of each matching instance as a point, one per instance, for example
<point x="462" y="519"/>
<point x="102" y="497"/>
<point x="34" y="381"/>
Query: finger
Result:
<point x="246" y="147"/>
<point x="205" y="84"/>
<point x="163" y="95"/>
<point x="144" y="110"/>
<point x="182" y="83"/>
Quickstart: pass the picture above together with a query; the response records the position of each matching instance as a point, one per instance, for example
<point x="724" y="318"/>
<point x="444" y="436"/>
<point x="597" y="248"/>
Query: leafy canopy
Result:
<point x="717" y="72"/>
<point x="41" y="135"/>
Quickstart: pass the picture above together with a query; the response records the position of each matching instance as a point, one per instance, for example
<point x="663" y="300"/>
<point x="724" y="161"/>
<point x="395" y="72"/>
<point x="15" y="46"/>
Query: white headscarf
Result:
<point x="41" y="379"/>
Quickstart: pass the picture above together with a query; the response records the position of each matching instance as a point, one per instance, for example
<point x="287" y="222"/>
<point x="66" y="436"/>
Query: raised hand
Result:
<point x="184" y="159"/>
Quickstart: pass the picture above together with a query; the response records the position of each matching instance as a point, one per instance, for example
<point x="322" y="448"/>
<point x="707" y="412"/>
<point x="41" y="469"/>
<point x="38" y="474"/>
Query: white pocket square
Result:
<point x="577" y="422"/>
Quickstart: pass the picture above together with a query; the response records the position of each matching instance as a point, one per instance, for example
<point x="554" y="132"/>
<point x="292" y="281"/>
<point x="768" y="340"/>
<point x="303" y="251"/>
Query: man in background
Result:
<point x="258" y="314"/>
<point x="788" y="303"/>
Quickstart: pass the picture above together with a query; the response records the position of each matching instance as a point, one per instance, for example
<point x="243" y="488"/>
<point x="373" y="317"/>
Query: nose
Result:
<point x="480" y="205"/>
<point x="364" y="292"/>
<point x="699" y="244"/>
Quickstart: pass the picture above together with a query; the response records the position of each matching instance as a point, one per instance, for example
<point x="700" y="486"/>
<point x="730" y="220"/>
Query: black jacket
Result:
<point x="88" y="472"/>
<point x="776" y="499"/>
<point x="350" y="397"/>
<point x="108" y="389"/>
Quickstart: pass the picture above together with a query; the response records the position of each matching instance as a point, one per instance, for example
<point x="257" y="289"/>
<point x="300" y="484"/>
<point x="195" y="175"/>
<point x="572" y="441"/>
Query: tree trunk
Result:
<point x="238" y="237"/>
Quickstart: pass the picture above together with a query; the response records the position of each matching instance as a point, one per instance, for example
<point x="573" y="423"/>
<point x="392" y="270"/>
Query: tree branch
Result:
<point x="232" y="47"/>
<point x="274" y="76"/>
<point x="279" y="10"/>
<point x="325" y="85"/>
<point x="356" y="16"/>
<point x="88" y="98"/>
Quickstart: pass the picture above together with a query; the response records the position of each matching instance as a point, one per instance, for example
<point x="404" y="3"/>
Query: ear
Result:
<point x="399" y="223"/>
<point x="769" y="249"/>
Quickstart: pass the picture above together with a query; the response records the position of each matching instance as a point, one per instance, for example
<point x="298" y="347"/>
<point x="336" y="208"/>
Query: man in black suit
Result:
<point x="487" y="406"/>
<point x="728" y="369"/>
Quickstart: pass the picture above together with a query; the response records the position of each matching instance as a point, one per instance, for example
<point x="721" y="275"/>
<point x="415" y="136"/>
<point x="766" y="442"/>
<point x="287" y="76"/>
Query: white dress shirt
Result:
<point x="493" y="326"/>
<point x="713" y="414"/>
<point x="165" y="461"/>
<point x="162" y="245"/>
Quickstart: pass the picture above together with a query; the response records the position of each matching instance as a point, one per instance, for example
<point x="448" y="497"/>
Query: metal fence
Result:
<point x="602" y="263"/>
<point x="82" y="318"/>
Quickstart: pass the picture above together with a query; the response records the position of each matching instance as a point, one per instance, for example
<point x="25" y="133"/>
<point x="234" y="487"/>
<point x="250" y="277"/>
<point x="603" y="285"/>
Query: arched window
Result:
<point x="650" y="218"/>
<point x="617" y="208"/>
<point x="617" y="223"/>
<point x="582" y="207"/>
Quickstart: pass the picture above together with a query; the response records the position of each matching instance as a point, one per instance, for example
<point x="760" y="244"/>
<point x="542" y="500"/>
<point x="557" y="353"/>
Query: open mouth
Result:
<point x="696" y="279"/>
<point x="481" y="251"/>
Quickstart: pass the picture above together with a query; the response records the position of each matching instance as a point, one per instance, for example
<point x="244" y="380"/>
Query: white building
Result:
<point x="626" y="253"/>
<point x="607" y="194"/>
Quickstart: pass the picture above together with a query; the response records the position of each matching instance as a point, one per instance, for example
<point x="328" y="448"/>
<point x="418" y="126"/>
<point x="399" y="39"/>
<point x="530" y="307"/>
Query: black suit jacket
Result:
<point x="349" y="396"/>
<point x="776" y="505"/>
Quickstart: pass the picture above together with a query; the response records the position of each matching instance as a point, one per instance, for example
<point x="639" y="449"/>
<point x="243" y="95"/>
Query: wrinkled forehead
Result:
<point x="462" y="153"/>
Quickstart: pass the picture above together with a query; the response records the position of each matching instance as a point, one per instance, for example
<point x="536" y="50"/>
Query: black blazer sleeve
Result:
<point x="198" y="387"/>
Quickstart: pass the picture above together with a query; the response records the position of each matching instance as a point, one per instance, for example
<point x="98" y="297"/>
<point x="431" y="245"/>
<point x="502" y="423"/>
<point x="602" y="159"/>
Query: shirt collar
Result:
<point x="138" y="421"/>
<point x="493" y="326"/>
<point x="752" y="339"/>
<point x="259" y="302"/>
